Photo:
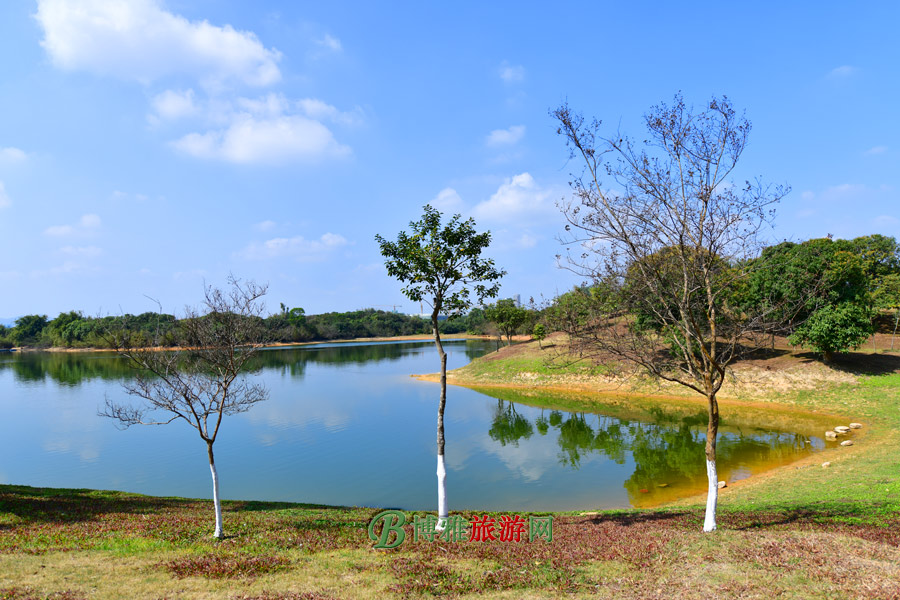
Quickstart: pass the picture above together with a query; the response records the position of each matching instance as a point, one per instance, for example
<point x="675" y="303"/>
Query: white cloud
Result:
<point x="447" y="200"/>
<point x="89" y="222"/>
<point x="527" y="241"/>
<point x="843" y="192"/>
<point x="329" y="42"/>
<point x="887" y="221"/>
<point x="842" y="72"/>
<point x="279" y="140"/>
<point x="265" y="226"/>
<point x="876" y="150"/>
<point x="171" y="105"/>
<point x="82" y="251"/>
<point x="321" y="111"/>
<point x="4" y="197"/>
<point x="268" y="130"/>
<point x="270" y="105"/>
<point x="517" y="198"/>
<point x="86" y="224"/>
<point x="297" y="247"/>
<point x="139" y="40"/>
<point x="506" y="137"/>
<point x="807" y="195"/>
<point x="12" y="155"/>
<point x="511" y="73"/>
<point x="59" y="230"/>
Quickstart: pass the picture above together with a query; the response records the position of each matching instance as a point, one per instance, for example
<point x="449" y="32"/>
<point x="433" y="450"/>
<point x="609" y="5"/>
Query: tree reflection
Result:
<point x="508" y="426"/>
<point x="73" y="368"/>
<point x="667" y="449"/>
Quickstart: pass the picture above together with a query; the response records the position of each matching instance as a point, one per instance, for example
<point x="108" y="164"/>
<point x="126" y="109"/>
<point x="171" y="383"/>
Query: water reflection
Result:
<point x="74" y="368"/>
<point x="345" y="424"/>
<point x="665" y="445"/>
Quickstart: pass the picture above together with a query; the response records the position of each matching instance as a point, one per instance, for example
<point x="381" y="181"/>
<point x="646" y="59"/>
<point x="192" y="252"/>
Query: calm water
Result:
<point x="346" y="424"/>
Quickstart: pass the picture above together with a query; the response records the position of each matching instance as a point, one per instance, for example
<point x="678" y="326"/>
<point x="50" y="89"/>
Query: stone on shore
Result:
<point x="826" y="464"/>
<point x="855" y="425"/>
<point x="842" y="429"/>
<point x="722" y="484"/>
<point x="847" y="443"/>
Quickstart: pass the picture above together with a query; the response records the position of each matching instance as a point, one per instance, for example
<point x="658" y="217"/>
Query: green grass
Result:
<point x="544" y="364"/>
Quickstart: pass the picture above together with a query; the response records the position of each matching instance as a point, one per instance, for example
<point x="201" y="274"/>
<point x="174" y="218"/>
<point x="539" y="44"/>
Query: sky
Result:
<point x="151" y="147"/>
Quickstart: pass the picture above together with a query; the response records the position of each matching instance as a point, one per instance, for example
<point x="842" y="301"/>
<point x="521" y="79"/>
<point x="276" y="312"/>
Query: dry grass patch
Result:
<point x="225" y="566"/>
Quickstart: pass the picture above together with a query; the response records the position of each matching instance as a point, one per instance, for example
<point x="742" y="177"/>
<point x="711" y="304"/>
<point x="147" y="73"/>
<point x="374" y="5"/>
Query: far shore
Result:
<point x="397" y="338"/>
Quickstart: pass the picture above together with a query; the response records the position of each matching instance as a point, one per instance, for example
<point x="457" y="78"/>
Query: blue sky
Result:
<point x="147" y="146"/>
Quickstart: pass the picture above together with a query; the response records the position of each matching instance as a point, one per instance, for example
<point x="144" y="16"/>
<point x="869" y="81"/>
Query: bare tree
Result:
<point x="667" y="239"/>
<point x="203" y="380"/>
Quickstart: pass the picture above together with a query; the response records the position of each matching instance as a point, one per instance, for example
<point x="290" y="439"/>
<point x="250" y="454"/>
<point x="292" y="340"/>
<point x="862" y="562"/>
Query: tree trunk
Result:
<point x="896" y="322"/>
<point x="827" y="356"/>
<point x="217" y="502"/>
<point x="441" y="469"/>
<point x="712" y="431"/>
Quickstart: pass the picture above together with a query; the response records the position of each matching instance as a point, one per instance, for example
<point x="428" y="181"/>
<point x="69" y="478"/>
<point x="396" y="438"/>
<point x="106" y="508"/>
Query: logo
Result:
<point x="393" y="520"/>
<point x="456" y="528"/>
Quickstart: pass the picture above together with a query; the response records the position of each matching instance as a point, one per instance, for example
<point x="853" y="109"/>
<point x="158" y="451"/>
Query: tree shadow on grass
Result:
<point x="36" y="505"/>
<point x="850" y="515"/>
<point x="861" y="363"/>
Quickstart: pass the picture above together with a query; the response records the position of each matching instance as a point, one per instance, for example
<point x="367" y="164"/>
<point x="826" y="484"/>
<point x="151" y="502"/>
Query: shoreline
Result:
<point x="596" y="388"/>
<point x="397" y="338"/>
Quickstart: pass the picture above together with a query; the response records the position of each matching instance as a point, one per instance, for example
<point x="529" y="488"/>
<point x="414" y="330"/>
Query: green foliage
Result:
<point x="507" y="317"/>
<point x="539" y="332"/>
<point x="476" y="321"/>
<point x="886" y="293"/>
<point x="879" y="254"/>
<point x="819" y="290"/>
<point x="835" y="328"/>
<point x="441" y="263"/>
<point x="572" y="310"/>
<point x="28" y="329"/>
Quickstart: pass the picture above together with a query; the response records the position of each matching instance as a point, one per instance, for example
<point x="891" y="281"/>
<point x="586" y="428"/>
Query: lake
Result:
<point x="345" y="424"/>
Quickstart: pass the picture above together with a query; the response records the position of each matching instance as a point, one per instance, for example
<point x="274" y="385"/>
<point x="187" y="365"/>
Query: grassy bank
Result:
<point x="89" y="544"/>
<point x="801" y="531"/>
<point x="864" y="387"/>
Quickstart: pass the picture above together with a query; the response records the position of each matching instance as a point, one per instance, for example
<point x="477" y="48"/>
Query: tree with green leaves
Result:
<point x="28" y="329"/>
<point x="441" y="265"/>
<point x="821" y="288"/>
<point x="507" y="316"/>
<point x="539" y="333"/>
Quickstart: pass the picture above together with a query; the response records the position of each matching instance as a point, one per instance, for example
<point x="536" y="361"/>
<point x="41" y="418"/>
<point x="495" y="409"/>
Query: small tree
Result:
<point x="539" y="333"/>
<point x="507" y="317"/>
<point x="887" y="296"/>
<point x="675" y="236"/>
<point x="438" y="265"/>
<point x="206" y="379"/>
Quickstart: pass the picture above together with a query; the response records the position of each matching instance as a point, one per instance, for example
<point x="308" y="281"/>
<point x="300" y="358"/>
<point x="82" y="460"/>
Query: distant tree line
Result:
<point x="74" y="330"/>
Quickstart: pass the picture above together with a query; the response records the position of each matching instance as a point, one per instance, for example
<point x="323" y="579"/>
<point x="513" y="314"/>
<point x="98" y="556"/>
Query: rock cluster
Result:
<point x="842" y="430"/>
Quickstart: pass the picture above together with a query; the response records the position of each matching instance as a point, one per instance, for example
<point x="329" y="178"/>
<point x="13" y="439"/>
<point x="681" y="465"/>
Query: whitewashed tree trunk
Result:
<point x="443" y="512"/>
<point x="217" y="502"/>
<point x="441" y="470"/>
<point x="712" y="432"/>
<point x="709" y="523"/>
